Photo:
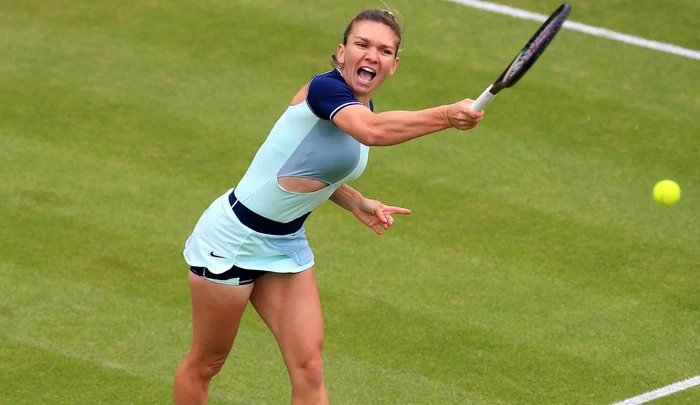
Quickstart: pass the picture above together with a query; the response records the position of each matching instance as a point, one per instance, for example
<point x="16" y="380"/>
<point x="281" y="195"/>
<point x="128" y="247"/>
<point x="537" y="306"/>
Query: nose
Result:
<point x="372" y="55"/>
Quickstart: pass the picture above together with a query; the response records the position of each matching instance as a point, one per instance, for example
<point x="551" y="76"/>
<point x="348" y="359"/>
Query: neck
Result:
<point x="364" y="99"/>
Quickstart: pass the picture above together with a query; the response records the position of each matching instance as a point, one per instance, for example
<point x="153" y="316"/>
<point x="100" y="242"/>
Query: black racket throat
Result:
<point x="496" y="87"/>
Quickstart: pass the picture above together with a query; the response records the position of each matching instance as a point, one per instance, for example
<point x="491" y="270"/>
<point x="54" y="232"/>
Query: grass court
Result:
<point x="535" y="269"/>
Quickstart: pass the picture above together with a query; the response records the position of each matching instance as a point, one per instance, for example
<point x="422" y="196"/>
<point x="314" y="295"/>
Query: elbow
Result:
<point x="372" y="136"/>
<point x="372" y="139"/>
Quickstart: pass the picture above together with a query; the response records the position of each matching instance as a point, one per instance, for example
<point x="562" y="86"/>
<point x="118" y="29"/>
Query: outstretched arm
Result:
<point x="394" y="127"/>
<point x="370" y="212"/>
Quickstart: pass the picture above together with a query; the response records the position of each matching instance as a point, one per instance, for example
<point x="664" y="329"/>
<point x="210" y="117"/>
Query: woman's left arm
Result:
<point x="372" y="213"/>
<point x="347" y="197"/>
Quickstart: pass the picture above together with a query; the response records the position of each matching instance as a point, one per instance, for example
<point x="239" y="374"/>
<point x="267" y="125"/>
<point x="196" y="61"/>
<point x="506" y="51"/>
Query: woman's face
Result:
<point x="368" y="58"/>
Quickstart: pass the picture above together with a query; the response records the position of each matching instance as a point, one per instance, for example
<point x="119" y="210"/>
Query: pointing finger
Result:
<point x="396" y="210"/>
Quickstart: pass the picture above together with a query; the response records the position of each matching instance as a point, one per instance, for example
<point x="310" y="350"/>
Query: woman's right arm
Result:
<point x="394" y="127"/>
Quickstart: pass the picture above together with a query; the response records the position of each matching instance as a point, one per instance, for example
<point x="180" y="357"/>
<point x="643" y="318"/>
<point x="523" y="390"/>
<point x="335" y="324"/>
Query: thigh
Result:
<point x="216" y="314"/>
<point x="291" y="307"/>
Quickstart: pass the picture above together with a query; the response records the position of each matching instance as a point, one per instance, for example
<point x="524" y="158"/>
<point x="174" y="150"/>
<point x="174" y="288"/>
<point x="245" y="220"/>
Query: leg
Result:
<point x="290" y="306"/>
<point x="216" y="314"/>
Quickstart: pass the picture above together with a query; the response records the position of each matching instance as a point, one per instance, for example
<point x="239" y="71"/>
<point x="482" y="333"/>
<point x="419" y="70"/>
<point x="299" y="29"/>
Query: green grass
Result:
<point x="535" y="269"/>
<point x="669" y="21"/>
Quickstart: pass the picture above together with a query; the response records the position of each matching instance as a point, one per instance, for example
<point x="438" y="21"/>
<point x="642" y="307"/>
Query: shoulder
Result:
<point x="328" y="93"/>
<point x="329" y="82"/>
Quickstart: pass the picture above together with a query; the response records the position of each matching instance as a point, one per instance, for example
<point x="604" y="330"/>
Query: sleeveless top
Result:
<point x="305" y="142"/>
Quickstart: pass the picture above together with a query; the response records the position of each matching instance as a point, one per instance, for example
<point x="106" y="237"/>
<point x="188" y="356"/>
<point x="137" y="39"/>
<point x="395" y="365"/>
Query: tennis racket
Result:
<point x="526" y="58"/>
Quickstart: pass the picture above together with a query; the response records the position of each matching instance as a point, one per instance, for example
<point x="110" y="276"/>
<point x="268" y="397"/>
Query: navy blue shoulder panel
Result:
<point x="328" y="94"/>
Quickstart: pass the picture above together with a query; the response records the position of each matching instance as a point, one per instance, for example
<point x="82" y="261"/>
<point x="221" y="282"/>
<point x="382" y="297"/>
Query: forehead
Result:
<point x="375" y="32"/>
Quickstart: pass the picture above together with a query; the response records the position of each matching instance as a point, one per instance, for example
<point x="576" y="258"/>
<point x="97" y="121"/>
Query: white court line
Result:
<point x="598" y="32"/>
<point x="662" y="392"/>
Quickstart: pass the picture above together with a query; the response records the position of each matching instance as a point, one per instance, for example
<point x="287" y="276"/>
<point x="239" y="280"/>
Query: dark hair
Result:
<point x="385" y="17"/>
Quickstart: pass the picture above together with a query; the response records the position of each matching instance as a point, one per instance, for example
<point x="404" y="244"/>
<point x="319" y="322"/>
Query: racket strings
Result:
<point x="534" y="49"/>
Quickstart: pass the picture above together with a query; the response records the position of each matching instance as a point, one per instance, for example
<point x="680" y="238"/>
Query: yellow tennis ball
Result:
<point x="667" y="192"/>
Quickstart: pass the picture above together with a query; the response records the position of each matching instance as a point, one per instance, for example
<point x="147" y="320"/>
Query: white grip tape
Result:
<point x="483" y="99"/>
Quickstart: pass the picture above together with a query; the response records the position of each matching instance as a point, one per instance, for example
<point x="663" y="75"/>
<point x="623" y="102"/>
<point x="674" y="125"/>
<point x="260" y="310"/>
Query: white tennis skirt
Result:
<point x="220" y="241"/>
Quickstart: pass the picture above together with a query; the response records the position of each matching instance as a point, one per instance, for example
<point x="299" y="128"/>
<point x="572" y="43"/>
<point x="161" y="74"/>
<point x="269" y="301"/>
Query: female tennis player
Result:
<point x="250" y="246"/>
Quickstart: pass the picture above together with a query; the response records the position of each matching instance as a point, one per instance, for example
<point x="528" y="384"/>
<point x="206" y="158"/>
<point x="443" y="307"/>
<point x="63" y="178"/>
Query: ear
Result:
<point x="340" y="54"/>
<point x="394" y="66"/>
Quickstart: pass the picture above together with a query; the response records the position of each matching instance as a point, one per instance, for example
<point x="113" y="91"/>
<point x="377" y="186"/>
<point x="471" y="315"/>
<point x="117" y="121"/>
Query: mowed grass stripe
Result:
<point x="97" y="309"/>
<point x="131" y="319"/>
<point x="35" y="375"/>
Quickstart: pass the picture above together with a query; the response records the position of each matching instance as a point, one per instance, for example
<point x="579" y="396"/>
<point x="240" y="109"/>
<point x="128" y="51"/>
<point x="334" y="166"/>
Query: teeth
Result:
<point x="368" y="70"/>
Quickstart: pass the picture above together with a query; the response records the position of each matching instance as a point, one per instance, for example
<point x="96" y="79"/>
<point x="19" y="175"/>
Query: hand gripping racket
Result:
<point x="526" y="58"/>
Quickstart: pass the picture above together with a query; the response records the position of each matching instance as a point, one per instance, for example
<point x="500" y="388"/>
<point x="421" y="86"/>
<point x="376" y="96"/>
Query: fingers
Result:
<point x="377" y="224"/>
<point x="380" y="216"/>
<point x="473" y="113"/>
<point x="379" y="213"/>
<point x="384" y="214"/>
<point x="396" y="210"/>
<point x="382" y="222"/>
<point x="462" y="117"/>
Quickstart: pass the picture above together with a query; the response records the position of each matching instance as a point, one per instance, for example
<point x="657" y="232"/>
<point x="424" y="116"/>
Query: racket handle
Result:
<point x="483" y="100"/>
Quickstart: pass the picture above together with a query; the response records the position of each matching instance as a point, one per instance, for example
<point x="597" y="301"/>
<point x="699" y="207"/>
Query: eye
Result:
<point x="387" y="52"/>
<point x="361" y="45"/>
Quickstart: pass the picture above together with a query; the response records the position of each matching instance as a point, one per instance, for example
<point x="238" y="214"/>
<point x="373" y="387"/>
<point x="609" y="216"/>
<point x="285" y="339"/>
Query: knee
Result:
<point x="309" y="372"/>
<point x="212" y="367"/>
<point x="208" y="367"/>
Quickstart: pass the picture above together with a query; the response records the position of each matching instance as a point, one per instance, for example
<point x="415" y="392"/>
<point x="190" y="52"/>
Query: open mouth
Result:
<point x="366" y="74"/>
